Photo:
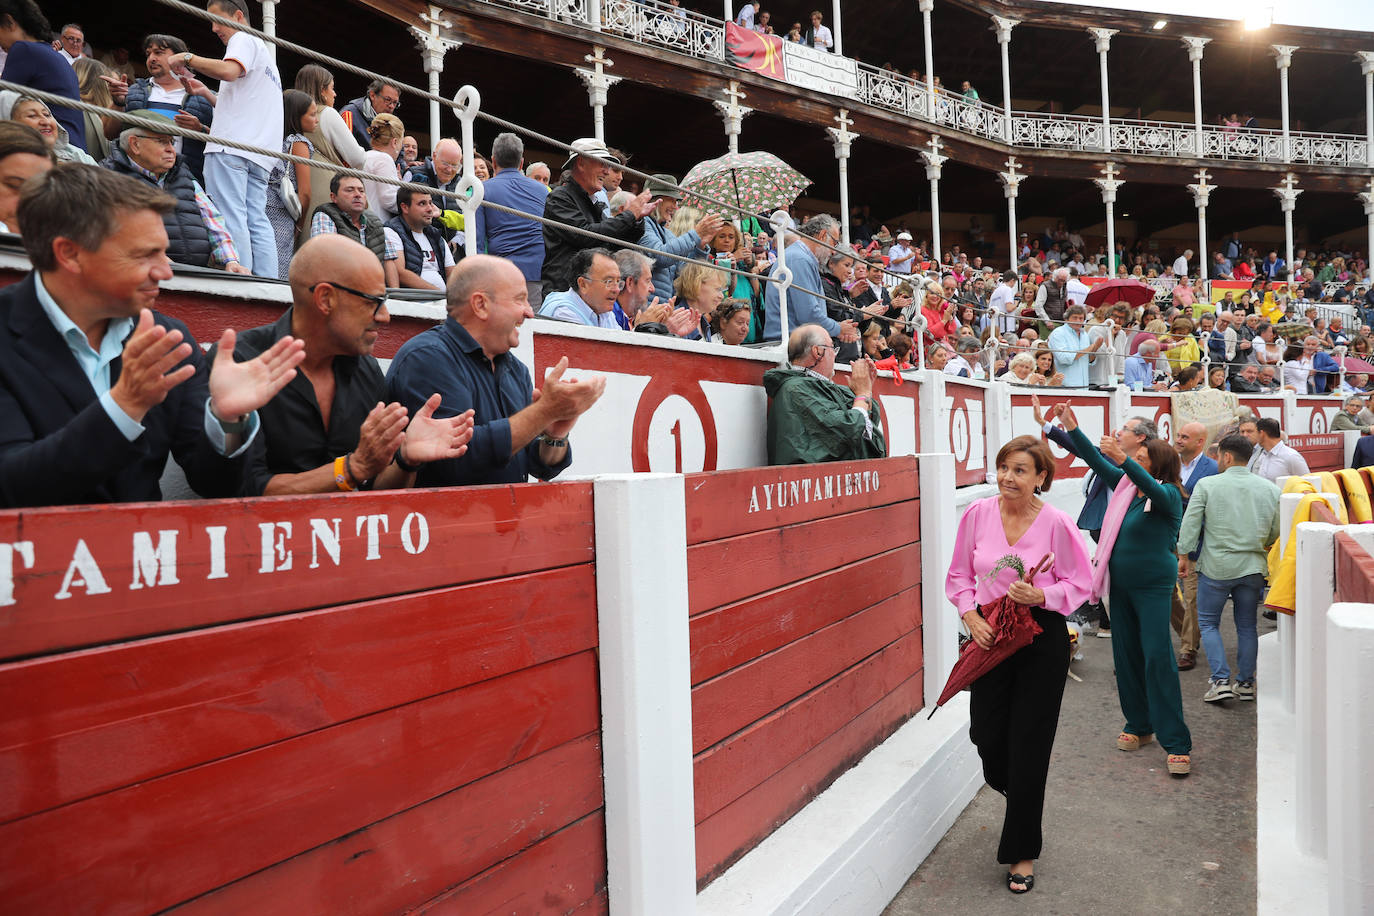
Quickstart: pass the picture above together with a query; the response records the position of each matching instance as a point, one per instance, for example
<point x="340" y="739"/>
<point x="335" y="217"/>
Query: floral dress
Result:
<point x="282" y="224"/>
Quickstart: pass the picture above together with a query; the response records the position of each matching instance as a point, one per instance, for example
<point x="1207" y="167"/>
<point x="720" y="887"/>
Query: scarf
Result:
<point x="1111" y="526"/>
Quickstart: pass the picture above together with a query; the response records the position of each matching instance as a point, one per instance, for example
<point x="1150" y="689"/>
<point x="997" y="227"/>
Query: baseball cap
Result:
<point x="589" y="146"/>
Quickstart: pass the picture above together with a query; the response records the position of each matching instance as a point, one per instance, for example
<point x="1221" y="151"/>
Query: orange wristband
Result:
<point x="341" y="474"/>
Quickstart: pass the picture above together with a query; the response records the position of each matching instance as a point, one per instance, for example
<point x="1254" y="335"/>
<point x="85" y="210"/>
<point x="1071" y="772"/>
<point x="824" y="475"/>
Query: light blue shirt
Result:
<point x="804" y="304"/>
<point x="568" y="306"/>
<point x="1065" y="343"/>
<point x="96" y="367"/>
<point x="1138" y="369"/>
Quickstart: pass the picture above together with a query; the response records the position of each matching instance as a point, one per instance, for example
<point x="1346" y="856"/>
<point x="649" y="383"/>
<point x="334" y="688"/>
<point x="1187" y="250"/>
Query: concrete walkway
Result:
<point x="1121" y="835"/>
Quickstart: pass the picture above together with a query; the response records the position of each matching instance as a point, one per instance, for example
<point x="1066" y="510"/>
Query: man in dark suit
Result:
<point x="1364" y="453"/>
<point x="1191" y="443"/>
<point x="96" y="389"/>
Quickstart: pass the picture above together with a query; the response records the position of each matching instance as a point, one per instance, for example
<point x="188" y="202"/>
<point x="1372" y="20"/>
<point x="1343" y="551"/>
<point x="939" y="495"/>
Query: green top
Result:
<point x="811" y="419"/>
<point x="1240" y="511"/>
<point x="1144" y="551"/>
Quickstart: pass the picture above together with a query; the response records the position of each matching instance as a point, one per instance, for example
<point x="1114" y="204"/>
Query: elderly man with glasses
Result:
<point x="596" y="284"/>
<point x="328" y="429"/>
<point x="381" y="98"/>
<point x="196" y="231"/>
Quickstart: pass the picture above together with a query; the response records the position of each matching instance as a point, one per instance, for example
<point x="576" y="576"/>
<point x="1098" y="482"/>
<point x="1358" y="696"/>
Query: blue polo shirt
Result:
<point x="446" y="359"/>
<point x="514" y="237"/>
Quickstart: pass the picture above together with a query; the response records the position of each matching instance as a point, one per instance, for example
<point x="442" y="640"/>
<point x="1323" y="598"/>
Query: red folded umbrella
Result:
<point x="1132" y="292"/>
<point x="1013" y="629"/>
<point x="1357" y="365"/>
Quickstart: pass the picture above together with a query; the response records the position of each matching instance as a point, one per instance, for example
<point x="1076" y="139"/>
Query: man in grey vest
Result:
<point x="346" y="214"/>
<point x="1053" y="298"/>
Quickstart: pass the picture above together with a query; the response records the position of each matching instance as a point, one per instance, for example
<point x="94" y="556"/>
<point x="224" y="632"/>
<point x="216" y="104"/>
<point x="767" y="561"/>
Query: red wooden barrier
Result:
<point x="235" y="739"/>
<point x="1321" y="452"/>
<point x="966" y="405"/>
<point x="1354" y="571"/>
<point x="806" y="636"/>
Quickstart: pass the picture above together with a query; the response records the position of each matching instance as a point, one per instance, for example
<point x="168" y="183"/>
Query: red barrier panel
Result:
<point x="1354" y="571"/>
<point x="436" y="743"/>
<point x="1322" y="453"/>
<point x="805" y="632"/>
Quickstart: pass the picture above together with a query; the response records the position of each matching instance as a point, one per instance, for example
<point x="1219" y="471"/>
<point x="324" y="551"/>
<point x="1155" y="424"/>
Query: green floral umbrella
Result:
<point x="754" y="182"/>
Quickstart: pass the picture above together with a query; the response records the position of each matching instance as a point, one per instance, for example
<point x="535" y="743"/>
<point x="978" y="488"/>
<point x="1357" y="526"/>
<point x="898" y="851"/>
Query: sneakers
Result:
<point x="1104" y="632"/>
<point x="1245" y="690"/>
<point x="1217" y="691"/>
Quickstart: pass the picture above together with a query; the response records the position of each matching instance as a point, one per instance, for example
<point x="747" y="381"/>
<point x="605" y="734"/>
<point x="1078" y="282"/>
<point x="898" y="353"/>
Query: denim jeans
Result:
<point x="239" y="188"/>
<point x="1211" y="597"/>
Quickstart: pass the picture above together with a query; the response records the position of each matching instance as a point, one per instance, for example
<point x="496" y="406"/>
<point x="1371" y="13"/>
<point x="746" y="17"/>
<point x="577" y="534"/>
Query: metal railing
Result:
<point x="702" y="37"/>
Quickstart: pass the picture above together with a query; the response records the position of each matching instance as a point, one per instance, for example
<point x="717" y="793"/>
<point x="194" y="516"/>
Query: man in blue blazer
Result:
<point x="1364" y="453"/>
<point x="96" y="389"/>
<point x="1191" y="443"/>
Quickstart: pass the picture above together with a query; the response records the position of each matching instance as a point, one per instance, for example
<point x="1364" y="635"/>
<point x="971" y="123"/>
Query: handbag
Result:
<point x="289" y="200"/>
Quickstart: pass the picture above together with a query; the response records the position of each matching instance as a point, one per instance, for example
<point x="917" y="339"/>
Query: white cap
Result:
<point x="904" y="235"/>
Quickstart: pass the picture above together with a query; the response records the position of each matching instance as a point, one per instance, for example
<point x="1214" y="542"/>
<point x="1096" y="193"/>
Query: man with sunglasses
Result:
<point x="591" y="300"/>
<point x="328" y="429"/>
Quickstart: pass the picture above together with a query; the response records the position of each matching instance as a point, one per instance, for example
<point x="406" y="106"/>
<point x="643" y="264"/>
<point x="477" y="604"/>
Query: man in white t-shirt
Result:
<point x="1076" y="290"/>
<point x="1181" y="264"/>
<point x="426" y="260"/>
<point x="248" y="110"/>
<point x="1002" y="304"/>
<point x="818" y="36"/>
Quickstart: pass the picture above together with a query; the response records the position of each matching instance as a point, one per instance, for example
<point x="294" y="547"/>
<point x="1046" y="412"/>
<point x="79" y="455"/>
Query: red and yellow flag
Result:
<point x="751" y="51"/>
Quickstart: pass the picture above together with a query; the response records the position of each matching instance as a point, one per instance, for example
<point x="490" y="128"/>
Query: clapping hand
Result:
<point x="683" y="321"/>
<point x="567" y="400"/>
<point x="427" y="439"/>
<point x="238" y="389"/>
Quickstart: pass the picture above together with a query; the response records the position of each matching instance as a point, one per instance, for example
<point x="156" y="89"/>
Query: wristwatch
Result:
<point x="551" y="442"/>
<point x="186" y="59"/>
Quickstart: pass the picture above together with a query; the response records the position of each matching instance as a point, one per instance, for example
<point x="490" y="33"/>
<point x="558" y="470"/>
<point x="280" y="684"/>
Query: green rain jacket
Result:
<point x="811" y="420"/>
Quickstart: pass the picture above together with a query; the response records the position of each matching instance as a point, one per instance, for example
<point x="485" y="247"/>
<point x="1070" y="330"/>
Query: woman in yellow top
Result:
<point x="1180" y="346"/>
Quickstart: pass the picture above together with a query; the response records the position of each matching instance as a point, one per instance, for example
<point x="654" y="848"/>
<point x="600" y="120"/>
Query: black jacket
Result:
<point x="569" y="204"/>
<point x="188" y="241"/>
<point x="58" y="446"/>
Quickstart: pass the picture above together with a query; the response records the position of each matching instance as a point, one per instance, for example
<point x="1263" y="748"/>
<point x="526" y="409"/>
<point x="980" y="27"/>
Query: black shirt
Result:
<point x="293" y="438"/>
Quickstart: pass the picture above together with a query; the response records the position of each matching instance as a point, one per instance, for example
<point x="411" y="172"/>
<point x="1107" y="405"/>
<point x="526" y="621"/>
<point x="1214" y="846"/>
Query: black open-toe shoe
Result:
<point x="1027" y="880"/>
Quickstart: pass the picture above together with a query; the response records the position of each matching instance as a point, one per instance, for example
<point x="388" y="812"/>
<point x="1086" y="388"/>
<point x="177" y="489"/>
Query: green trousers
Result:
<point x="1146" y="671"/>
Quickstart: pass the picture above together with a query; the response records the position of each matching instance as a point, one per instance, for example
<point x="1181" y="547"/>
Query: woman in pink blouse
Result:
<point x="1014" y="708"/>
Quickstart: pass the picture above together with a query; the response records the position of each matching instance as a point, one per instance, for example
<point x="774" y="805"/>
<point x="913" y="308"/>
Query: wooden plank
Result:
<point x="741" y="825"/>
<point x="1354" y="571"/>
<point x="726" y="704"/>
<point x="730" y="769"/>
<point x="97" y="576"/>
<point x="730" y="636"/>
<point x="418" y="854"/>
<point x="790" y="553"/>
<point x="565" y="873"/>
<point x="729" y="503"/>
<point x="87" y="722"/>
<point x="167" y="840"/>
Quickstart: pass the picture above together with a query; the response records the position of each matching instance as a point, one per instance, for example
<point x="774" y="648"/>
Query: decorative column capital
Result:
<point x="1194" y="44"/>
<point x="597" y="80"/>
<point x="434" y="45"/>
<point x="842" y="136"/>
<point x="1366" y="62"/>
<point x="934" y="159"/>
<point x="1003" y="26"/>
<point x="1011" y="179"/>
<point x="1366" y="197"/>
<point x="1109" y="183"/>
<point x="730" y="109"/>
<point x="1103" y="38"/>
<point x="1287" y="192"/>
<point x="1202" y="190"/>
<point x="1283" y="55"/>
<point x="926" y="5"/>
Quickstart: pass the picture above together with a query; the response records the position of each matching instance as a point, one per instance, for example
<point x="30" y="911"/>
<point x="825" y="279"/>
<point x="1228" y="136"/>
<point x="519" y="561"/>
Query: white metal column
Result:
<point x="269" y="24"/>
<point x="1011" y="185"/>
<point x="433" y="47"/>
<point x="1103" y="39"/>
<point x="1195" y="46"/>
<point x="1287" y="193"/>
<point x="1367" y="199"/>
<point x="733" y="114"/>
<point x="1366" y="60"/>
<point x="1201" y="191"/>
<point x="1283" y="57"/>
<point x="1108" y="185"/>
<point x="841" y="137"/>
<point x="835" y="26"/>
<point x="926" y="7"/>
<point x="598" y="82"/>
<point x="934" y="162"/>
<point x="1003" y="29"/>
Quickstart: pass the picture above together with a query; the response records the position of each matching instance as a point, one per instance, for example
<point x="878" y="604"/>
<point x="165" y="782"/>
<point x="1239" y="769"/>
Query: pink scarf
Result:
<point x="1111" y="526"/>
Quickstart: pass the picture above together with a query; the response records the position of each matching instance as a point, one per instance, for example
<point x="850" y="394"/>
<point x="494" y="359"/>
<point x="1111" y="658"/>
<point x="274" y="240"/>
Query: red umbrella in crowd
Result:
<point x="1131" y="292"/>
<point x="1012" y="629"/>
<point x="1357" y="365"/>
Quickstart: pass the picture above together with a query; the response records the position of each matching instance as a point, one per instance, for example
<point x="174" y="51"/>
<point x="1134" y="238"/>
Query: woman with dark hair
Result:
<point x="332" y="139"/>
<point x="298" y="120"/>
<point x="31" y="61"/>
<point x="1014" y="707"/>
<point x="1137" y="567"/>
<point x="730" y="322"/>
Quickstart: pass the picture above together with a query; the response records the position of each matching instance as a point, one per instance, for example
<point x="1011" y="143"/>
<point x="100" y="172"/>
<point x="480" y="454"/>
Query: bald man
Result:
<point x="327" y="430"/>
<point x="468" y="360"/>
<point x="1190" y="441"/>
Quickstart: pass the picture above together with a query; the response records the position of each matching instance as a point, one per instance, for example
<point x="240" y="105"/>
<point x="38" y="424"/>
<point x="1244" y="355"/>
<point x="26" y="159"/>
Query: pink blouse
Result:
<point x="982" y="541"/>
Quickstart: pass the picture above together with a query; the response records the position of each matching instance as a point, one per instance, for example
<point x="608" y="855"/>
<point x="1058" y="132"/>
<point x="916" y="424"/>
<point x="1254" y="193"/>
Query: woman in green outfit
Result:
<point x="1137" y="566"/>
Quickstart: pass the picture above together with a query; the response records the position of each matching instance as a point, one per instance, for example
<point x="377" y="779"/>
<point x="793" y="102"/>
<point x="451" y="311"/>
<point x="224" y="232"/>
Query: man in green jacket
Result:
<point x="812" y="419"/>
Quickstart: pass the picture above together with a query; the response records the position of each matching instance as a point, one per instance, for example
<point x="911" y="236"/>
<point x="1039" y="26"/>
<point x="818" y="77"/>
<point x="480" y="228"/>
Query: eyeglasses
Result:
<point x="609" y="283"/>
<point x="377" y="301"/>
<point x="160" y="140"/>
<point x="393" y="104"/>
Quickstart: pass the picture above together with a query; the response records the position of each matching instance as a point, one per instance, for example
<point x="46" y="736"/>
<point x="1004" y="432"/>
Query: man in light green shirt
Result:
<point x="1240" y="513"/>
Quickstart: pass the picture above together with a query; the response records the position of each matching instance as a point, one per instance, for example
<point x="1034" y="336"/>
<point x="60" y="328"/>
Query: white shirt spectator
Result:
<point x="959" y="366"/>
<point x="430" y="270"/>
<point x="1181" y="266"/>
<point x="1296" y="372"/>
<point x="249" y="108"/>
<point x="381" y="198"/>
<point x="1002" y="303"/>
<point x="745" y="19"/>
<point x="1076" y="291"/>
<point x="1280" y="461"/>
<point x="821" y="38"/>
<point x="900" y="250"/>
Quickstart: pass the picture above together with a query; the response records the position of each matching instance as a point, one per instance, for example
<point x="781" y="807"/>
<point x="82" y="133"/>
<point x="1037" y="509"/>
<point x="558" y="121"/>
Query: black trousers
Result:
<point x="1014" y="713"/>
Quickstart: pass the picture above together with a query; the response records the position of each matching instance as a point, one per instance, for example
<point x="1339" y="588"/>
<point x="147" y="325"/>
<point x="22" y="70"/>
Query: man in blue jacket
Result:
<point x="190" y="105"/>
<point x="804" y="302"/>
<point x="507" y="235"/>
<point x="1191" y="444"/>
<point x="693" y="243"/>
